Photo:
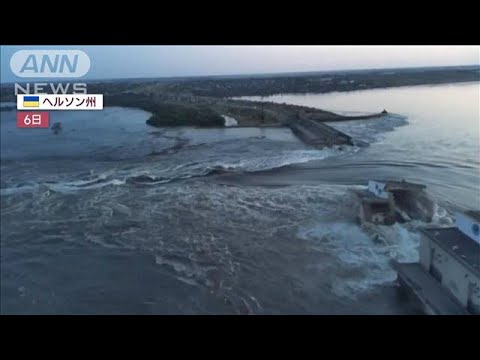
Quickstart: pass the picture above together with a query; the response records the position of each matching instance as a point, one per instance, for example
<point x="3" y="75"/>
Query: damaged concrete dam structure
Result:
<point x="318" y="134"/>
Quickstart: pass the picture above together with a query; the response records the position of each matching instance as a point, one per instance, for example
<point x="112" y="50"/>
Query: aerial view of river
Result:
<point x="114" y="216"/>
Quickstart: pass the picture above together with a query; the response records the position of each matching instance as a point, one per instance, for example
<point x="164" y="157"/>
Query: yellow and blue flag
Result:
<point x="31" y="101"/>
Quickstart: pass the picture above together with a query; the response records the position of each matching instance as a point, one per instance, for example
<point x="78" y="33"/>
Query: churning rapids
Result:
<point x="114" y="216"/>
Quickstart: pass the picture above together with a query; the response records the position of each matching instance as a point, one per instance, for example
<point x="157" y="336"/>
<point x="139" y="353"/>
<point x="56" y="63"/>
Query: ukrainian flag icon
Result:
<point x="31" y="101"/>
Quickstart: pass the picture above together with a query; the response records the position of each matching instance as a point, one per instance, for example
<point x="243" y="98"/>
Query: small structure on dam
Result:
<point x="389" y="201"/>
<point x="446" y="280"/>
<point x="377" y="210"/>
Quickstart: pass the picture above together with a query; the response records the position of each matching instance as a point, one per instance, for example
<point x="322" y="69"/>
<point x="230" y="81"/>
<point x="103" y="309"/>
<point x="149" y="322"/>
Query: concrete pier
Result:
<point x="315" y="133"/>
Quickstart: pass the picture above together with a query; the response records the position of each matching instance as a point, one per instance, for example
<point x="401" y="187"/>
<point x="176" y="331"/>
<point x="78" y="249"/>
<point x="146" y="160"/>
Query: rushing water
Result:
<point x="440" y="146"/>
<point x="113" y="216"/>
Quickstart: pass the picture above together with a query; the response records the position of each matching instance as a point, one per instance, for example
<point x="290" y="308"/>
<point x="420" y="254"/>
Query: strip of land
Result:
<point x="203" y="101"/>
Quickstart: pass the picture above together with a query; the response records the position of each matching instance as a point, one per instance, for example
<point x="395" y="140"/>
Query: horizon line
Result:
<point x="294" y="72"/>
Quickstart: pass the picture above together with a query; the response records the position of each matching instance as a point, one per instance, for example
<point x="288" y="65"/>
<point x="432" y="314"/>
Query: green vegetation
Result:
<point x="323" y="82"/>
<point x="183" y="115"/>
<point x="168" y="113"/>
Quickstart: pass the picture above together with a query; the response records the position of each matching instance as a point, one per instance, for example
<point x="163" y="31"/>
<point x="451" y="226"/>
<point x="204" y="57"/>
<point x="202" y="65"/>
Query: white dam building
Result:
<point x="447" y="278"/>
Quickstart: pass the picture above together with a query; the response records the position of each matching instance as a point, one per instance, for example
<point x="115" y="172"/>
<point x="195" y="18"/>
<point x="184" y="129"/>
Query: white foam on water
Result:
<point x="176" y="265"/>
<point x="18" y="190"/>
<point x="366" y="264"/>
<point x="441" y="216"/>
<point x="284" y="158"/>
<point x="160" y="174"/>
<point x="69" y="187"/>
<point x="370" y="130"/>
<point x="229" y="121"/>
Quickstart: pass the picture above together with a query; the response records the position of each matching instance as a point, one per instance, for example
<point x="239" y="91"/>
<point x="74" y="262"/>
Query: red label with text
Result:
<point x="32" y="119"/>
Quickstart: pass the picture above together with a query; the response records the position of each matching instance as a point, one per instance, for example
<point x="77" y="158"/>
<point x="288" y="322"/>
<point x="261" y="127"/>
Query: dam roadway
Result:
<point x="317" y="134"/>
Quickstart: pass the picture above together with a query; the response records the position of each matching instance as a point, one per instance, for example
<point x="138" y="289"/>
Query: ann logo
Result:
<point x="58" y="64"/>
<point x="50" y="63"/>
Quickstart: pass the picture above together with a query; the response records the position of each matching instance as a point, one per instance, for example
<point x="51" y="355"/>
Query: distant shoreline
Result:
<point x="474" y="67"/>
<point x="202" y="102"/>
<point x="355" y="90"/>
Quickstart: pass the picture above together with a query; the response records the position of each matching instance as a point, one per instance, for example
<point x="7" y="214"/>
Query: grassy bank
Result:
<point x="168" y="114"/>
